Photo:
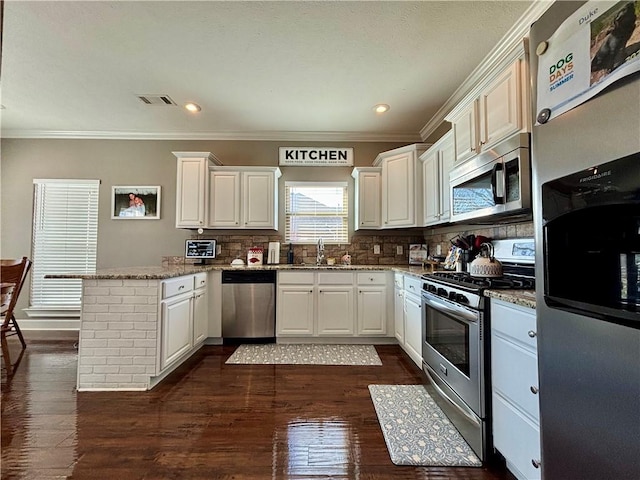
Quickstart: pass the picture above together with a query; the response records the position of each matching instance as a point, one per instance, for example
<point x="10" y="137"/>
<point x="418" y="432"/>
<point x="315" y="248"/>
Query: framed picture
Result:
<point x="135" y="203"/>
<point x="418" y="253"/>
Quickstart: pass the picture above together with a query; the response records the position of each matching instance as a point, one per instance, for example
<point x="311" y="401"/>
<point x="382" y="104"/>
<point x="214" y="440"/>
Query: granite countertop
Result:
<point x="159" y="272"/>
<point x="525" y="298"/>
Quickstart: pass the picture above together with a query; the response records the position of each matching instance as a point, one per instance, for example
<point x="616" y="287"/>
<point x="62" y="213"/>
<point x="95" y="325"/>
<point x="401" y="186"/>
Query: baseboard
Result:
<point x="71" y="324"/>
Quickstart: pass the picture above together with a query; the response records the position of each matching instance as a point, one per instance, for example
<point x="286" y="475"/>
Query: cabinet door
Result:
<point x="413" y="327"/>
<point x="372" y="308"/>
<point x="176" y="329"/>
<point x="258" y="200"/>
<point x="335" y="310"/>
<point x="446" y="161"/>
<point x="224" y="199"/>
<point x="367" y="210"/>
<point x="465" y="133"/>
<point x="191" y="192"/>
<point x="431" y="179"/>
<point x="200" y="316"/>
<point x="398" y="315"/>
<point x="500" y="107"/>
<point x="295" y="310"/>
<point x="398" y="191"/>
<point x="517" y="439"/>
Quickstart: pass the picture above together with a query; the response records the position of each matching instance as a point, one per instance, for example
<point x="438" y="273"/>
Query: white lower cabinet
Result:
<point x="335" y="310"/>
<point x="176" y="329"/>
<point x="514" y="376"/>
<point x="413" y="327"/>
<point x="183" y="317"/>
<point x="398" y="308"/>
<point x="322" y="304"/>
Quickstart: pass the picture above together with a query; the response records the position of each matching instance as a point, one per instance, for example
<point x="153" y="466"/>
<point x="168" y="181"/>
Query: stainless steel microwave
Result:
<point x="494" y="183"/>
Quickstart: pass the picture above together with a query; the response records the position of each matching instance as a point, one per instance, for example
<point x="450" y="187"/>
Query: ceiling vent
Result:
<point x="162" y="100"/>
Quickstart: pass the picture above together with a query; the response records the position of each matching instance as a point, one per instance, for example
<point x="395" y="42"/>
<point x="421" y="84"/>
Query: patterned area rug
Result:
<point x="416" y="430"/>
<point x="305" y="354"/>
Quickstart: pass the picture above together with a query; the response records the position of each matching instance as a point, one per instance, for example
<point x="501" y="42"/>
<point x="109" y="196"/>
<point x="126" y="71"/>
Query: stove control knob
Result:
<point x="452" y="295"/>
<point x="442" y="292"/>
<point x="460" y="298"/>
<point x="431" y="288"/>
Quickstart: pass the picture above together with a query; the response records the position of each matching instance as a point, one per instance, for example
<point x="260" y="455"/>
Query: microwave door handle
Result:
<point x="497" y="187"/>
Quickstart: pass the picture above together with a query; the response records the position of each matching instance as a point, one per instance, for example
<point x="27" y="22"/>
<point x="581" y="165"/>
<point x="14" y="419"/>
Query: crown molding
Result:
<point x="231" y="136"/>
<point x="504" y="52"/>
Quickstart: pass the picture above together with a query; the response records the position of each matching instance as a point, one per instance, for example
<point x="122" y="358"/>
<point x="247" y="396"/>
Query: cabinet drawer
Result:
<point x="372" y="278"/>
<point x="398" y="278"/>
<point x="176" y="286"/>
<point x="200" y="280"/>
<point x="516" y="438"/>
<point x="299" y="278"/>
<point x="335" y="278"/>
<point x="514" y="371"/>
<point x="514" y="321"/>
<point x="413" y="284"/>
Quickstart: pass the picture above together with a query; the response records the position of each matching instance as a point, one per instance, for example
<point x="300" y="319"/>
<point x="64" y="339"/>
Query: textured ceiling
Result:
<point x="258" y="69"/>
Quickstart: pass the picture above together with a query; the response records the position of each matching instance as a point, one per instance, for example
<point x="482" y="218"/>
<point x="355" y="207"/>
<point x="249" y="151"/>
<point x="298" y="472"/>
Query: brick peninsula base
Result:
<point x="119" y="338"/>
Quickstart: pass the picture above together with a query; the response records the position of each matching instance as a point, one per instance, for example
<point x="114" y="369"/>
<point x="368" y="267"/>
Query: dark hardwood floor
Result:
<point x="208" y="420"/>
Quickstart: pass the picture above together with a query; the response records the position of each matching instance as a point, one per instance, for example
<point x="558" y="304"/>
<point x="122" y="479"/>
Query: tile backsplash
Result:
<point x="361" y="247"/>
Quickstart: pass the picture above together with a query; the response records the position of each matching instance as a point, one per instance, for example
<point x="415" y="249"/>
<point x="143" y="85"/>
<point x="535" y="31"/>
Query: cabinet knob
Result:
<point x="533" y="389"/>
<point x="473" y="149"/>
<point x="531" y="333"/>
<point x="535" y="463"/>
<point x="482" y="142"/>
<point x="310" y="291"/>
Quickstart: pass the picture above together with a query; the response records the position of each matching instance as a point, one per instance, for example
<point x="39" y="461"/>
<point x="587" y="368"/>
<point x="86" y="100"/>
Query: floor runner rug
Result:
<point x="416" y="430"/>
<point x="305" y="354"/>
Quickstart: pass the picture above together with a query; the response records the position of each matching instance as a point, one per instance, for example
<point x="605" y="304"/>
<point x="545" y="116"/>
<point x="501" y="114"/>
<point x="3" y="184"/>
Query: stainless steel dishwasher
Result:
<point x="248" y="306"/>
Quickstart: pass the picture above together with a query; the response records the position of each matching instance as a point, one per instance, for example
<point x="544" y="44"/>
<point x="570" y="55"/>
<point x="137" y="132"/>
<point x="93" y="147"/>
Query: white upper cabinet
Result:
<point x="498" y="109"/>
<point x="243" y="197"/>
<point x="437" y="162"/>
<point x="367" y="197"/>
<point x="401" y="194"/>
<point x="191" y="188"/>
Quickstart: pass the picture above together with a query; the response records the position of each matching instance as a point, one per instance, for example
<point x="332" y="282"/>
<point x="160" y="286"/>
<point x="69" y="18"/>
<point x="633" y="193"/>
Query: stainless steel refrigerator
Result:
<point x="586" y="200"/>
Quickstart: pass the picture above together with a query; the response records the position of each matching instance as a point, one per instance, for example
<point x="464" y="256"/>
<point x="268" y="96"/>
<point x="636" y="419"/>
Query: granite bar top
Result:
<point x="162" y="272"/>
<point x="524" y="298"/>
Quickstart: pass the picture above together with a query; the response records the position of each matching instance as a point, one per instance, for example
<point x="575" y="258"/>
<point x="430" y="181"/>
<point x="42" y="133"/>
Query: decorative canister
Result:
<point x="254" y="256"/>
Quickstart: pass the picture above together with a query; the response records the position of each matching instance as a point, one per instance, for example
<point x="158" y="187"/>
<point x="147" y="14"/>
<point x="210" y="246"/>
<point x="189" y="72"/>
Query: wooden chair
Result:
<point x="12" y="276"/>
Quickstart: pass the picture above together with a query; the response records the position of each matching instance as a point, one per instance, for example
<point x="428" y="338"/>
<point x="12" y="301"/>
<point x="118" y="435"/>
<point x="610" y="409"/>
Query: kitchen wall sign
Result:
<point x="135" y="203"/>
<point x="595" y="47"/>
<point x="316" y="157"/>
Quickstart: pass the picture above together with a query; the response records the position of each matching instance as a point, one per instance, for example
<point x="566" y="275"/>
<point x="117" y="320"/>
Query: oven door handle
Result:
<point x="460" y="313"/>
<point x="463" y="409"/>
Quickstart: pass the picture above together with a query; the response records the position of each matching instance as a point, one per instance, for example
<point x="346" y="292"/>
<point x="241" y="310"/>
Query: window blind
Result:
<point x="316" y="210"/>
<point x="65" y="237"/>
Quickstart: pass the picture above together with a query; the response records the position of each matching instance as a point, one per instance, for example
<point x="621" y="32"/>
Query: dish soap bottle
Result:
<point x="290" y="255"/>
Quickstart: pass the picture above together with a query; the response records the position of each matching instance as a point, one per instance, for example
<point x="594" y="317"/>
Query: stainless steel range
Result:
<point x="455" y="339"/>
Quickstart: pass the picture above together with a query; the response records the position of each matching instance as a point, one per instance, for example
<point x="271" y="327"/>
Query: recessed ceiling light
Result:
<point x="381" y="108"/>
<point x="193" y="107"/>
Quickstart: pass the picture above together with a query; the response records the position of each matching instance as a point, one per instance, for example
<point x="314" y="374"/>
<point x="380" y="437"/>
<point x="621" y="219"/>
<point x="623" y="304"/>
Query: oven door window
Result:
<point x="450" y="338"/>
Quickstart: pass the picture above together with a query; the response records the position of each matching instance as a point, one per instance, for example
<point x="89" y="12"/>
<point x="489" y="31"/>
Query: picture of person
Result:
<point x="136" y="202"/>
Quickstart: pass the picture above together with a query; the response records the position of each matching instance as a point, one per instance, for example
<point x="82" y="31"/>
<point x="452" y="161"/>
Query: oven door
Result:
<point x="453" y="349"/>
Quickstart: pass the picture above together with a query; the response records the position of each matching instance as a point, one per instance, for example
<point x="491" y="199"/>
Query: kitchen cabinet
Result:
<point x="243" y="198"/>
<point x="413" y="319"/>
<point x="183" y="317"/>
<point x="295" y="305"/>
<point x="191" y="187"/>
<point x="367" y="208"/>
<point x="322" y="304"/>
<point x="514" y="376"/>
<point x="401" y="186"/>
<point x="398" y="308"/>
<point x="492" y="112"/>
<point x="200" y="309"/>
<point x="372" y="303"/>
<point x="437" y="162"/>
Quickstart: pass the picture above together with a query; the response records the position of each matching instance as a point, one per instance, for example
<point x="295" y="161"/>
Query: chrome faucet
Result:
<point x="320" y="255"/>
